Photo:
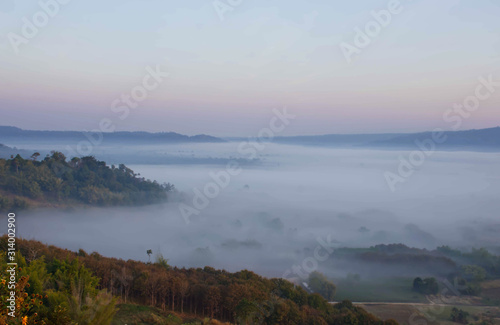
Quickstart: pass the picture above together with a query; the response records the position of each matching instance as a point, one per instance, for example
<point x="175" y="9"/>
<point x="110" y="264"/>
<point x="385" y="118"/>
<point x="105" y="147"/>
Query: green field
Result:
<point x="398" y="301"/>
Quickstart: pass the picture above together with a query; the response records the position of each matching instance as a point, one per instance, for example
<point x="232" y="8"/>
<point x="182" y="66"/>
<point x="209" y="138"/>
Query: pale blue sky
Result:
<point x="227" y="75"/>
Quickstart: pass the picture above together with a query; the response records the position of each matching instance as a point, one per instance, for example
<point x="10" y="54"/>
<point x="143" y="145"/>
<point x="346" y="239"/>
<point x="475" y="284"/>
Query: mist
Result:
<point x="282" y="205"/>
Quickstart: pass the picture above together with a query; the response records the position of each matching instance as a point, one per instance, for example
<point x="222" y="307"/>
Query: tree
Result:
<point x="212" y="301"/>
<point x="246" y="311"/>
<point x="161" y="261"/>
<point x="475" y="272"/>
<point x="124" y="278"/>
<point x="183" y="290"/>
<point x="319" y="283"/>
<point x="427" y="286"/>
<point x="152" y="285"/>
<point x="149" y="252"/>
<point x="418" y="284"/>
<point x="431" y="286"/>
<point x="77" y="292"/>
<point x="459" y="316"/>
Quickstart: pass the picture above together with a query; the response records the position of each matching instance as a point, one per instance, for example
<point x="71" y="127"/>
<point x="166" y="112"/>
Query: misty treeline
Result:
<point x="466" y="269"/>
<point x="80" y="180"/>
<point x="242" y="297"/>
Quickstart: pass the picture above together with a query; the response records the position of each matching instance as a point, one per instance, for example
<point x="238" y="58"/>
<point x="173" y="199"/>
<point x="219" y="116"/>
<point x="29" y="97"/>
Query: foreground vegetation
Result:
<point x="70" y="288"/>
<point x="25" y="182"/>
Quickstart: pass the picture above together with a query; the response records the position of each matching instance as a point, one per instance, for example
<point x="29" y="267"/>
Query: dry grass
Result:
<point x="429" y="314"/>
<point x="491" y="289"/>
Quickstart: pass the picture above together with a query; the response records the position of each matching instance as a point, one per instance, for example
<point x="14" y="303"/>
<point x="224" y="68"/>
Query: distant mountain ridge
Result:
<point x="480" y="139"/>
<point x="472" y="140"/>
<point x="17" y="134"/>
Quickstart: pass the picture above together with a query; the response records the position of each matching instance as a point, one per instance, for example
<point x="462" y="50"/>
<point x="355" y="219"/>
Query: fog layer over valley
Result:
<point x="280" y="208"/>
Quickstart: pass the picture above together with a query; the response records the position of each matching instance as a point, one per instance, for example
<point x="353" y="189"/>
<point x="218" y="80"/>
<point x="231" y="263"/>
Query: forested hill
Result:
<point x="6" y="151"/>
<point x="205" y="294"/>
<point x="55" y="180"/>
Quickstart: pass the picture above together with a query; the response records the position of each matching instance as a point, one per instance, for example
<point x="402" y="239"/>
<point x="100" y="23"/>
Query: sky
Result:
<point x="223" y="66"/>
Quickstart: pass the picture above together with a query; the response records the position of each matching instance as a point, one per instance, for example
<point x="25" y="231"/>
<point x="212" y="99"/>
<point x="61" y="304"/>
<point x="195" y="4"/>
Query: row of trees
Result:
<point x="84" y="180"/>
<point x="242" y="297"/>
<point x="469" y="267"/>
<point x="319" y="283"/>
<point x="478" y="264"/>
